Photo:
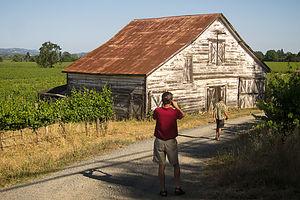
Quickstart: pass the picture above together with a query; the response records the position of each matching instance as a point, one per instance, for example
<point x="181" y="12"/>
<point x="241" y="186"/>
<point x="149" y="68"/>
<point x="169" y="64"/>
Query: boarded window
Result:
<point x="188" y="69"/>
<point x="216" y="52"/>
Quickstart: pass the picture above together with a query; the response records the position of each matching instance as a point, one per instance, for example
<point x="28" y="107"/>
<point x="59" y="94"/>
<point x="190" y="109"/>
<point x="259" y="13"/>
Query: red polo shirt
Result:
<point x="166" y="122"/>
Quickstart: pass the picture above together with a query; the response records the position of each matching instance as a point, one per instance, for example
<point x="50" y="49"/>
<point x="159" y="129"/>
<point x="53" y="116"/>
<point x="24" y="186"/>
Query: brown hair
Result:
<point x="167" y="97"/>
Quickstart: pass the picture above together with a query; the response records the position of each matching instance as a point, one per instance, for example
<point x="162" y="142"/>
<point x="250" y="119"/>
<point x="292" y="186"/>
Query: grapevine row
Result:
<point x="86" y="105"/>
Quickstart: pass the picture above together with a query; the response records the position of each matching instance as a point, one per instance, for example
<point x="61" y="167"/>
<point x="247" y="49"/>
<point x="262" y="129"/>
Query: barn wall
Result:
<point x="128" y="91"/>
<point x="193" y="96"/>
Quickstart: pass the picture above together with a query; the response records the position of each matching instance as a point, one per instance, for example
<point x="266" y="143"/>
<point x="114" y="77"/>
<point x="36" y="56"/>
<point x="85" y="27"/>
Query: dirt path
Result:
<point x="129" y="173"/>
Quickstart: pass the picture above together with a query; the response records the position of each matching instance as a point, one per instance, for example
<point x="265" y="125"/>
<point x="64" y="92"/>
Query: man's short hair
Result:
<point x="221" y="98"/>
<point x="167" y="97"/>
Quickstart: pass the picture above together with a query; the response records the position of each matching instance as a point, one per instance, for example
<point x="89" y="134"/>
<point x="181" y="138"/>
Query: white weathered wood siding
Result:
<point x="192" y="94"/>
<point x="128" y="91"/>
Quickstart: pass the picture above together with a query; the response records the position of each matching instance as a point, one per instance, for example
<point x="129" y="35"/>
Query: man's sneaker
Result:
<point x="179" y="191"/>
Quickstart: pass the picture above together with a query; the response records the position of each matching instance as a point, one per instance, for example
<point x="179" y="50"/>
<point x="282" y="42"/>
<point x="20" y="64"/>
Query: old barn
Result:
<point x="196" y="57"/>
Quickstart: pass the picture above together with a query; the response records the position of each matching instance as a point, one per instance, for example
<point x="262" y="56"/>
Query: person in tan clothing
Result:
<point x="220" y="113"/>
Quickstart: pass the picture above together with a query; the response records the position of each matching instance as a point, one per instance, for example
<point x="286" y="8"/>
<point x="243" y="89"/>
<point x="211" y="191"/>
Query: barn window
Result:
<point x="216" y="51"/>
<point x="188" y="68"/>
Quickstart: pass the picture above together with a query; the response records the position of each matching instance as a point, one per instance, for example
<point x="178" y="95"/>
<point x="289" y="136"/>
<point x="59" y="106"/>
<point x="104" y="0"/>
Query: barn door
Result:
<point x="154" y="101"/>
<point x="250" y="90"/>
<point x="136" y="106"/>
<point x="213" y="95"/>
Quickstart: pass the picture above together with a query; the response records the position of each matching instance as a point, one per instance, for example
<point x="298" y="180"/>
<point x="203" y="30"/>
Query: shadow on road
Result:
<point x="136" y="177"/>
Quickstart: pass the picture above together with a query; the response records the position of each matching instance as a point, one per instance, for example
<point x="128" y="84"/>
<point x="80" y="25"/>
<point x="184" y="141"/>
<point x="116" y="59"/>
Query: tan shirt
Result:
<point x="220" y="109"/>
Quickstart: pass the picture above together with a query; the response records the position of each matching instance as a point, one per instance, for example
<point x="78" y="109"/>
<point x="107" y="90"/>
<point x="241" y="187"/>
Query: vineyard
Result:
<point x="283" y="67"/>
<point x="21" y="109"/>
<point x="25" y="79"/>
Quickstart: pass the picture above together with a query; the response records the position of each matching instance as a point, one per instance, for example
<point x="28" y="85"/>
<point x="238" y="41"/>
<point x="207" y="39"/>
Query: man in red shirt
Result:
<point x="165" y="143"/>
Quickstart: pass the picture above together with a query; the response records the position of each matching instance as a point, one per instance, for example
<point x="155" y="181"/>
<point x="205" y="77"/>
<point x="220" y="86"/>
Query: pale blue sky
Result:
<point x="83" y="25"/>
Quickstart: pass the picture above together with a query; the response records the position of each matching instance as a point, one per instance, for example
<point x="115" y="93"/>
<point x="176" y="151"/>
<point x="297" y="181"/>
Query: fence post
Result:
<point x="46" y="130"/>
<point x="105" y="126"/>
<point x="86" y="128"/>
<point x="37" y="136"/>
<point x="64" y="129"/>
<point x="21" y="131"/>
<point x="1" y="140"/>
<point x="97" y="126"/>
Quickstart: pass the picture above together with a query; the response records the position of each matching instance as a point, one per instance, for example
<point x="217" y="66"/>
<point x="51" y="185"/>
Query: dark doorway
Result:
<point x="213" y="95"/>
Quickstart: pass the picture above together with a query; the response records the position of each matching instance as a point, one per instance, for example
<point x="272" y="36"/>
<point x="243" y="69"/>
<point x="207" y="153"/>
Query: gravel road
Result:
<point x="129" y="173"/>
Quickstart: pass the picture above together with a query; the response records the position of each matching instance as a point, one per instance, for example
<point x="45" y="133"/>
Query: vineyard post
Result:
<point x="46" y="130"/>
<point x="1" y="140"/>
<point x="97" y="126"/>
<point x="86" y="128"/>
<point x="21" y="132"/>
<point x="37" y="136"/>
<point x="64" y="129"/>
<point x="105" y="126"/>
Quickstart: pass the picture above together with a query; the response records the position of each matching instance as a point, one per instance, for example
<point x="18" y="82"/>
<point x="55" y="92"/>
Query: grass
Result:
<point x="256" y="165"/>
<point x="26" y="78"/>
<point x="22" y="163"/>
<point x="283" y="67"/>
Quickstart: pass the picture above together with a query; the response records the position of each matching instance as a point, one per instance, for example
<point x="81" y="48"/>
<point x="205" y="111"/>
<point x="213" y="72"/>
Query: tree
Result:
<point x="271" y="55"/>
<point x="49" y="55"/>
<point x="260" y="55"/>
<point x="27" y="57"/>
<point x="281" y="55"/>
<point x="281" y="106"/>
<point x="290" y="57"/>
<point x="1" y="59"/>
<point x="17" y="58"/>
<point x="67" y="57"/>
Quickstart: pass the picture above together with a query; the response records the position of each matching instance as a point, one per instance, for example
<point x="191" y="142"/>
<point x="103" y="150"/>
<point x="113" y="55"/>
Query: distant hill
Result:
<point x="81" y="54"/>
<point x="13" y="51"/>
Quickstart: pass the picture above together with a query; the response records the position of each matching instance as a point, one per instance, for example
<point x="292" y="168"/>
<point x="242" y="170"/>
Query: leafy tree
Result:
<point x="271" y="55"/>
<point x="17" y="58"/>
<point x="74" y="57"/>
<point x="27" y="57"/>
<point x="1" y="59"/>
<point x="67" y="57"/>
<point x="260" y="55"/>
<point x="281" y="106"/>
<point x="290" y="57"/>
<point x="49" y="55"/>
<point x="281" y="55"/>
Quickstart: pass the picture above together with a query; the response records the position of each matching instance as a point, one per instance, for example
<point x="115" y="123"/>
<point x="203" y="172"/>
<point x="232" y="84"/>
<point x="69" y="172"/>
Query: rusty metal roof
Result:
<point x="143" y="45"/>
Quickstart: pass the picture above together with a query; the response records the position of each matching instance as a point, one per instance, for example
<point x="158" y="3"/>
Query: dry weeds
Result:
<point x="23" y="159"/>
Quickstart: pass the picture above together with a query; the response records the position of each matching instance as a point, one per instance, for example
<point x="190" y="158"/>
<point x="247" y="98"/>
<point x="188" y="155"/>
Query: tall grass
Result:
<point x="22" y="163"/>
<point x="257" y="165"/>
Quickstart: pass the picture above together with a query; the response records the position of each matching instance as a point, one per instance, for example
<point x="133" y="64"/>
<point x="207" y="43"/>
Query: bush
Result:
<point x="282" y="103"/>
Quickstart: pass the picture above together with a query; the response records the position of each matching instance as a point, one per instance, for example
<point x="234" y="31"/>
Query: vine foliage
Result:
<point x="282" y="103"/>
<point x="83" y="105"/>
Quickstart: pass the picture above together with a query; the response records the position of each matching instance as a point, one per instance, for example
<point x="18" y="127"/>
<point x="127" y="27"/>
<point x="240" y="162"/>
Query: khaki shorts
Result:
<point x="163" y="148"/>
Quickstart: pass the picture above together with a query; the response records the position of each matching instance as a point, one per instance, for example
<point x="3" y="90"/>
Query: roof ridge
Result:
<point x="176" y="16"/>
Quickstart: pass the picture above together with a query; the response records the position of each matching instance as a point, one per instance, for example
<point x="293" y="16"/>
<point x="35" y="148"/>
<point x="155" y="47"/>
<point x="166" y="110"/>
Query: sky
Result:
<point x="83" y="25"/>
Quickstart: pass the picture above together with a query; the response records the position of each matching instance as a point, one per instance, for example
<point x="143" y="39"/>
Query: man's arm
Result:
<point x="214" y="115"/>
<point x="226" y="115"/>
<point x="175" y="105"/>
